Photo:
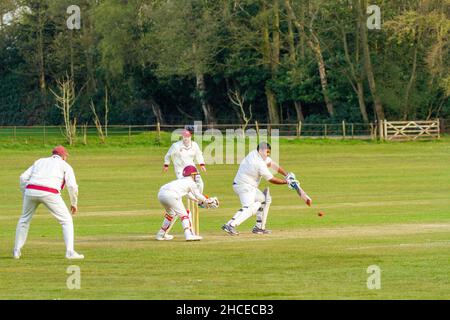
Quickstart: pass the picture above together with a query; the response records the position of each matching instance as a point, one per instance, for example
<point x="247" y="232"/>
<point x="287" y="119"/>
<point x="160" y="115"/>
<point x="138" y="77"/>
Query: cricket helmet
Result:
<point x="189" y="170"/>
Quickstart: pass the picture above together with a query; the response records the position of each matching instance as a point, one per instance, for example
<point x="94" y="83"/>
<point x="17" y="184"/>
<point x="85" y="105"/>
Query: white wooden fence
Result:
<point x="410" y="130"/>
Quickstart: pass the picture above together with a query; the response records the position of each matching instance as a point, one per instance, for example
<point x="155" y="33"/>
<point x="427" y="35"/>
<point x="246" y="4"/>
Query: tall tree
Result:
<point x="36" y="20"/>
<point x="271" y="53"/>
<point x="293" y="59"/>
<point x="186" y="37"/>
<point x="347" y="25"/>
<point x="308" y="30"/>
<point x="362" y="7"/>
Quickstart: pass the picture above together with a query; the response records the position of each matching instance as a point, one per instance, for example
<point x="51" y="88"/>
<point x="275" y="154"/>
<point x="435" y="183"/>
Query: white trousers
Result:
<point x="55" y="204"/>
<point x="248" y="194"/>
<point x="252" y="200"/>
<point x="173" y="204"/>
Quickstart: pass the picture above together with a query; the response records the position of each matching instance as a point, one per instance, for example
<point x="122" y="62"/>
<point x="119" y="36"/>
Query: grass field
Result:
<point x="385" y="204"/>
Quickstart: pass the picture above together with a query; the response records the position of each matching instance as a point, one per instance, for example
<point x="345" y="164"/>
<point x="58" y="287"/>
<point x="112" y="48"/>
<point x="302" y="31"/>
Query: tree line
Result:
<point x="223" y="61"/>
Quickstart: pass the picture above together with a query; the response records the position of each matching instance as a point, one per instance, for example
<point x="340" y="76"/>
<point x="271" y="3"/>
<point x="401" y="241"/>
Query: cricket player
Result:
<point x="254" y="167"/>
<point x="42" y="183"/>
<point x="171" y="198"/>
<point x="182" y="154"/>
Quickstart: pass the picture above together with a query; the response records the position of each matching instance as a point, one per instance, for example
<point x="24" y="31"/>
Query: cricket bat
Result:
<point x="303" y="194"/>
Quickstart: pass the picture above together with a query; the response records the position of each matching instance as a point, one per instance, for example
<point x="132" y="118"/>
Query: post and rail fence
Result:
<point x="383" y="130"/>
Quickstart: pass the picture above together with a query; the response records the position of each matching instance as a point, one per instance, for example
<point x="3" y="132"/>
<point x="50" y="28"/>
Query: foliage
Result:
<point x="149" y="55"/>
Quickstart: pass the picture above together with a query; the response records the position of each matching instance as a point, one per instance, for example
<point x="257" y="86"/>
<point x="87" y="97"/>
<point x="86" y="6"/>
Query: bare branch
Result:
<point x="238" y="100"/>
<point x="97" y="123"/>
<point x="65" y="100"/>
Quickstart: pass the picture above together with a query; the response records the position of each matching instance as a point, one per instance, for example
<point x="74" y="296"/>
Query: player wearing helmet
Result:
<point x="170" y="196"/>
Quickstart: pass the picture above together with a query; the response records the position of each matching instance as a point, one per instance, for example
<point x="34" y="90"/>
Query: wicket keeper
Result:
<point x="171" y="198"/>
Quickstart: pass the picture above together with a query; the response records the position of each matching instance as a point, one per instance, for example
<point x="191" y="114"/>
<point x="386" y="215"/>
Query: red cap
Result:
<point x="189" y="170"/>
<point x="186" y="133"/>
<point x="60" y="151"/>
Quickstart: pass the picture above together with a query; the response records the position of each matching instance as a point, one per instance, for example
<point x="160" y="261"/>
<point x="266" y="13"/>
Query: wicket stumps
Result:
<point x="192" y="206"/>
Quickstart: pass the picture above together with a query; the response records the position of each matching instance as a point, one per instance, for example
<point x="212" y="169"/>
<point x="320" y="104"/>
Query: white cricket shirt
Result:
<point x="252" y="168"/>
<point x="54" y="173"/>
<point x="183" y="156"/>
<point x="182" y="187"/>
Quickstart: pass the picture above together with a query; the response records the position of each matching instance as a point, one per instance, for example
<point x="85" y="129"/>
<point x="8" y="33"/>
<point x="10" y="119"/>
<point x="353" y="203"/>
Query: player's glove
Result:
<point x="291" y="181"/>
<point x="203" y="205"/>
<point x="293" y="184"/>
<point x="212" y="203"/>
<point x="290" y="176"/>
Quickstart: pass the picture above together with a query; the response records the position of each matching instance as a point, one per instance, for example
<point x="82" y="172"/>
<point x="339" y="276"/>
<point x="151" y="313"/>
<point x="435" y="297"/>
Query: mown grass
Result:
<point x="385" y="204"/>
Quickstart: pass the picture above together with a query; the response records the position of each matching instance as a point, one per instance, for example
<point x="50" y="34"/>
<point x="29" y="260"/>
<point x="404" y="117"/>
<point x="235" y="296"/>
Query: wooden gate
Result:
<point x="411" y="130"/>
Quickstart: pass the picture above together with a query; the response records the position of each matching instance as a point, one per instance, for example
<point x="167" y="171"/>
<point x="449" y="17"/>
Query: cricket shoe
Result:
<point x="73" y="255"/>
<point x="193" y="237"/>
<point x="257" y="230"/>
<point x="162" y="237"/>
<point x="16" y="254"/>
<point x="230" y="230"/>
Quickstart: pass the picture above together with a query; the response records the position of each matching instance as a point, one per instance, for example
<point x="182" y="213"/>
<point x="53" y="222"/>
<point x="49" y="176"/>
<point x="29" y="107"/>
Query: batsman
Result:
<point x="254" y="201"/>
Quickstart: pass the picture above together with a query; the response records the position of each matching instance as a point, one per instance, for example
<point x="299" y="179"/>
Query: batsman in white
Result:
<point x="42" y="183"/>
<point x="171" y="198"/>
<point x="245" y="185"/>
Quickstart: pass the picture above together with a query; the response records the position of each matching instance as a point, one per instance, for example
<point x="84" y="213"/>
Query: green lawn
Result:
<point x="385" y="204"/>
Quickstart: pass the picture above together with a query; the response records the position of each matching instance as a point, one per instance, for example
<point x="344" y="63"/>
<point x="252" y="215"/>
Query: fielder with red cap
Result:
<point x="171" y="198"/>
<point x="182" y="153"/>
<point x="42" y="183"/>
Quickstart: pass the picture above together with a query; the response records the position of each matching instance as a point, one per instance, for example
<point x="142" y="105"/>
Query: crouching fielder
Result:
<point x="171" y="198"/>
<point x="245" y="185"/>
<point x="184" y="153"/>
<point x="42" y="183"/>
